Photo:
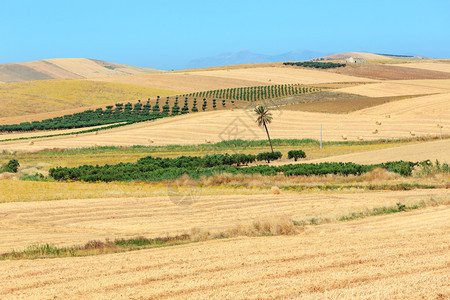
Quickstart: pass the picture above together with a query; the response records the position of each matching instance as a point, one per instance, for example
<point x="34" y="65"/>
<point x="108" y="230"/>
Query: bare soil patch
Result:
<point x="389" y="72"/>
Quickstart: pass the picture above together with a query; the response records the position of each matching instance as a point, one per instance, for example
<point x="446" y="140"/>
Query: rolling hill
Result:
<point x="65" y="68"/>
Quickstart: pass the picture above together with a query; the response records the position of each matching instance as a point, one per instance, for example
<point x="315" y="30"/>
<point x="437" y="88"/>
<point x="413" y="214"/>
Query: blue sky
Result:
<point x="168" y="34"/>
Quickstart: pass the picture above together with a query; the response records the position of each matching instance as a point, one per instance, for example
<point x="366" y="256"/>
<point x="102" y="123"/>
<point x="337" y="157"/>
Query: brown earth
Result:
<point x="398" y="256"/>
<point x="391" y="72"/>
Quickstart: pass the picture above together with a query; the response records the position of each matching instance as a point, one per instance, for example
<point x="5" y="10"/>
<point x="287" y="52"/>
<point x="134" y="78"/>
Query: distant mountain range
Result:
<point x="247" y="57"/>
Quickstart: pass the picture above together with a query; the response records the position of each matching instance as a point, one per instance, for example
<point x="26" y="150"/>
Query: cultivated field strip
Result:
<point x="419" y="107"/>
<point x="193" y="81"/>
<point x="400" y="88"/>
<point x="419" y="152"/>
<point x="279" y="75"/>
<point x="216" y="126"/>
<point x="434" y="66"/>
<point x="398" y="256"/>
<point x="73" y="222"/>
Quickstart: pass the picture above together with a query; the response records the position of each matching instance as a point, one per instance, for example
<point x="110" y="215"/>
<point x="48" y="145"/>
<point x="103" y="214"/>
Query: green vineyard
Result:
<point x="256" y="93"/>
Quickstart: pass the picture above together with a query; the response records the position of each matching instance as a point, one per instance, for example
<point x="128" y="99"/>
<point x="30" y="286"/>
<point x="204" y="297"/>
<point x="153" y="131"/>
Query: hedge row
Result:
<point x="158" y="169"/>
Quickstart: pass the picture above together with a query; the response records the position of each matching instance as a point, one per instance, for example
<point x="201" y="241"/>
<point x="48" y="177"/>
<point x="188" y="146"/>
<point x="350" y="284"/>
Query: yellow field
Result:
<point x="72" y="222"/>
<point x="17" y="99"/>
<point x="399" y="88"/>
<point x="437" y="106"/>
<point x="431" y="150"/>
<point x="433" y="66"/>
<point x="215" y="126"/>
<point x="397" y="256"/>
<point x="192" y="81"/>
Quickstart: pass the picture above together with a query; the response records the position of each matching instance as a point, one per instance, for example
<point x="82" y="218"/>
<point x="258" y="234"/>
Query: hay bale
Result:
<point x="378" y="122"/>
<point x="375" y="131"/>
<point x="76" y="135"/>
<point x="440" y="126"/>
<point x="96" y="133"/>
<point x="30" y="143"/>
<point x="150" y="141"/>
<point x="344" y="137"/>
<point x="388" y="116"/>
<point x="360" y="138"/>
<point x="208" y="141"/>
<point x="413" y="133"/>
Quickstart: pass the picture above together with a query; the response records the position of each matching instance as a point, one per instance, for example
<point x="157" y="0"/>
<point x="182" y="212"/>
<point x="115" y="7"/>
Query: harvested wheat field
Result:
<point x="432" y="106"/>
<point x="187" y="82"/>
<point x="432" y="66"/>
<point x="216" y="126"/>
<point x="405" y="255"/>
<point x="399" y="88"/>
<point x="419" y="152"/>
<point x="72" y="222"/>
<point x="193" y="81"/>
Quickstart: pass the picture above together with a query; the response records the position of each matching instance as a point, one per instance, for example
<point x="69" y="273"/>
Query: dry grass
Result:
<point x="33" y="97"/>
<point x="433" y="106"/>
<point x="432" y="66"/>
<point x="176" y="210"/>
<point x="400" y="88"/>
<point x="217" y="126"/>
<point x="403" y="255"/>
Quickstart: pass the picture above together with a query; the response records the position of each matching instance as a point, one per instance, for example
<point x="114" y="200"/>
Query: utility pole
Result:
<point x="320" y="136"/>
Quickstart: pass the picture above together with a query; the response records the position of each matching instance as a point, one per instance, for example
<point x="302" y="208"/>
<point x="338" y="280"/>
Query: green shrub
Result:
<point x="268" y="156"/>
<point x="11" y="167"/>
<point x="296" y="154"/>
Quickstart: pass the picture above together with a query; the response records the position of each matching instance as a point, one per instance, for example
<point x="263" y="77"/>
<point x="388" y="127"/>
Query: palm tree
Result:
<point x="264" y="117"/>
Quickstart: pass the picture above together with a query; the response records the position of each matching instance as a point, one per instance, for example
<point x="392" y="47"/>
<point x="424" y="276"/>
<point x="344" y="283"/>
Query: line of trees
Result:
<point x="111" y="114"/>
<point x="255" y="93"/>
<point x="314" y="64"/>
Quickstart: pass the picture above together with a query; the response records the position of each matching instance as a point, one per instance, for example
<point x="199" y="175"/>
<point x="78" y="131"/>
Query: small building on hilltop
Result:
<point x="352" y="60"/>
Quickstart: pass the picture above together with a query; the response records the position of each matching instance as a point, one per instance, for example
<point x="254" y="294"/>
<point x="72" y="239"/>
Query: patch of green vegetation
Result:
<point x="11" y="167"/>
<point x="379" y="211"/>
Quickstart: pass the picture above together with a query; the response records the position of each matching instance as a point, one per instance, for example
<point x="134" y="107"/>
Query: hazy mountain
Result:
<point x="247" y="57"/>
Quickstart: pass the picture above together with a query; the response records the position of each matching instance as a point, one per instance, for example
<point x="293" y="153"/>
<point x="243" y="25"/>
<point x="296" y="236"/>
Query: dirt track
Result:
<point x="405" y="255"/>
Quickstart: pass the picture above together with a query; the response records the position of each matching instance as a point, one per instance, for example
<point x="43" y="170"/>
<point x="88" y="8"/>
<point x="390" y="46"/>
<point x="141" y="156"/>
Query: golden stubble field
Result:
<point x="397" y="256"/>
<point x="216" y="126"/>
<point x="386" y="257"/>
<point x="74" y="222"/>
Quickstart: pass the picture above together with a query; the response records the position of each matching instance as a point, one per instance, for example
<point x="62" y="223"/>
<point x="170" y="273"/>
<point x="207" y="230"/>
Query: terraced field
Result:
<point x="396" y="256"/>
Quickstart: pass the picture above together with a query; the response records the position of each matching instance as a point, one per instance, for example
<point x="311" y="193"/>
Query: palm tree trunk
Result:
<point x="270" y="142"/>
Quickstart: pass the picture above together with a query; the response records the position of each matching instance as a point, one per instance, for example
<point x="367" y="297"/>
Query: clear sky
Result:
<point x="168" y="34"/>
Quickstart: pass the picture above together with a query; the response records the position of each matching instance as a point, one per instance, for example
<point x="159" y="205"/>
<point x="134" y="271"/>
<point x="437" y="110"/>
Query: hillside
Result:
<point x="65" y="68"/>
<point x="344" y="55"/>
<point x="44" y="96"/>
